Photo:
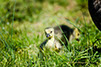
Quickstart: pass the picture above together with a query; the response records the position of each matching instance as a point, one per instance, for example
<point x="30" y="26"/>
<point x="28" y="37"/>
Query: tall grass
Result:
<point x="19" y="42"/>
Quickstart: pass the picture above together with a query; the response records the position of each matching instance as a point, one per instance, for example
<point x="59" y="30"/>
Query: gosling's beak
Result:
<point x="48" y="35"/>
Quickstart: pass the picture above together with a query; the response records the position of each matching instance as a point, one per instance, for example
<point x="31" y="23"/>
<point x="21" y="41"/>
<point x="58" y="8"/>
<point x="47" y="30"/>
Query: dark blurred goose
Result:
<point x="94" y="7"/>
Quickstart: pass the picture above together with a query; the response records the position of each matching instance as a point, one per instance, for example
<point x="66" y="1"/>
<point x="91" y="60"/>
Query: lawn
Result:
<point x="22" y="26"/>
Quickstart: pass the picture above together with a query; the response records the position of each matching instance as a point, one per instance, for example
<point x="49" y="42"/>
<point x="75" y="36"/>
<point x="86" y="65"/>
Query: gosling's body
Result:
<point x="53" y="44"/>
<point x="50" y="43"/>
<point x="57" y="36"/>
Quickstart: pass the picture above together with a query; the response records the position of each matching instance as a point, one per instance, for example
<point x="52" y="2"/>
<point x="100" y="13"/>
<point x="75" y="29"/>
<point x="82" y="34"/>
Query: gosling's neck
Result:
<point x="50" y="42"/>
<point x="51" y="39"/>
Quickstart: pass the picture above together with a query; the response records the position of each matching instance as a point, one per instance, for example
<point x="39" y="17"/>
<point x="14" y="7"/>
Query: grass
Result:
<point x="20" y="41"/>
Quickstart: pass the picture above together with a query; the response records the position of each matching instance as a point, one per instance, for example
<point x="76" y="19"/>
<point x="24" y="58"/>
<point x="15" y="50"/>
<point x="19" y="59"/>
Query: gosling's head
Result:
<point x="76" y="34"/>
<point x="49" y="32"/>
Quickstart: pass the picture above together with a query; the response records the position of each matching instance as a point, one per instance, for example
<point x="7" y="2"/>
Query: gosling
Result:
<point x="59" y="36"/>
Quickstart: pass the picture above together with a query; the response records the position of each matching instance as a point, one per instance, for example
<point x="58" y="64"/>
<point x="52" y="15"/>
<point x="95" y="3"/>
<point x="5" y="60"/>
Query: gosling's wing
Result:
<point x="94" y="7"/>
<point x="58" y="30"/>
<point x="43" y="44"/>
<point x="58" y="45"/>
<point x="63" y="29"/>
<point x="62" y="33"/>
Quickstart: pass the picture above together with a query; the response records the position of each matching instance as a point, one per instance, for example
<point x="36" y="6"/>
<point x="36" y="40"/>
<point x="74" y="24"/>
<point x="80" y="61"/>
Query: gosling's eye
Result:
<point x="51" y="32"/>
<point x="78" y="34"/>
